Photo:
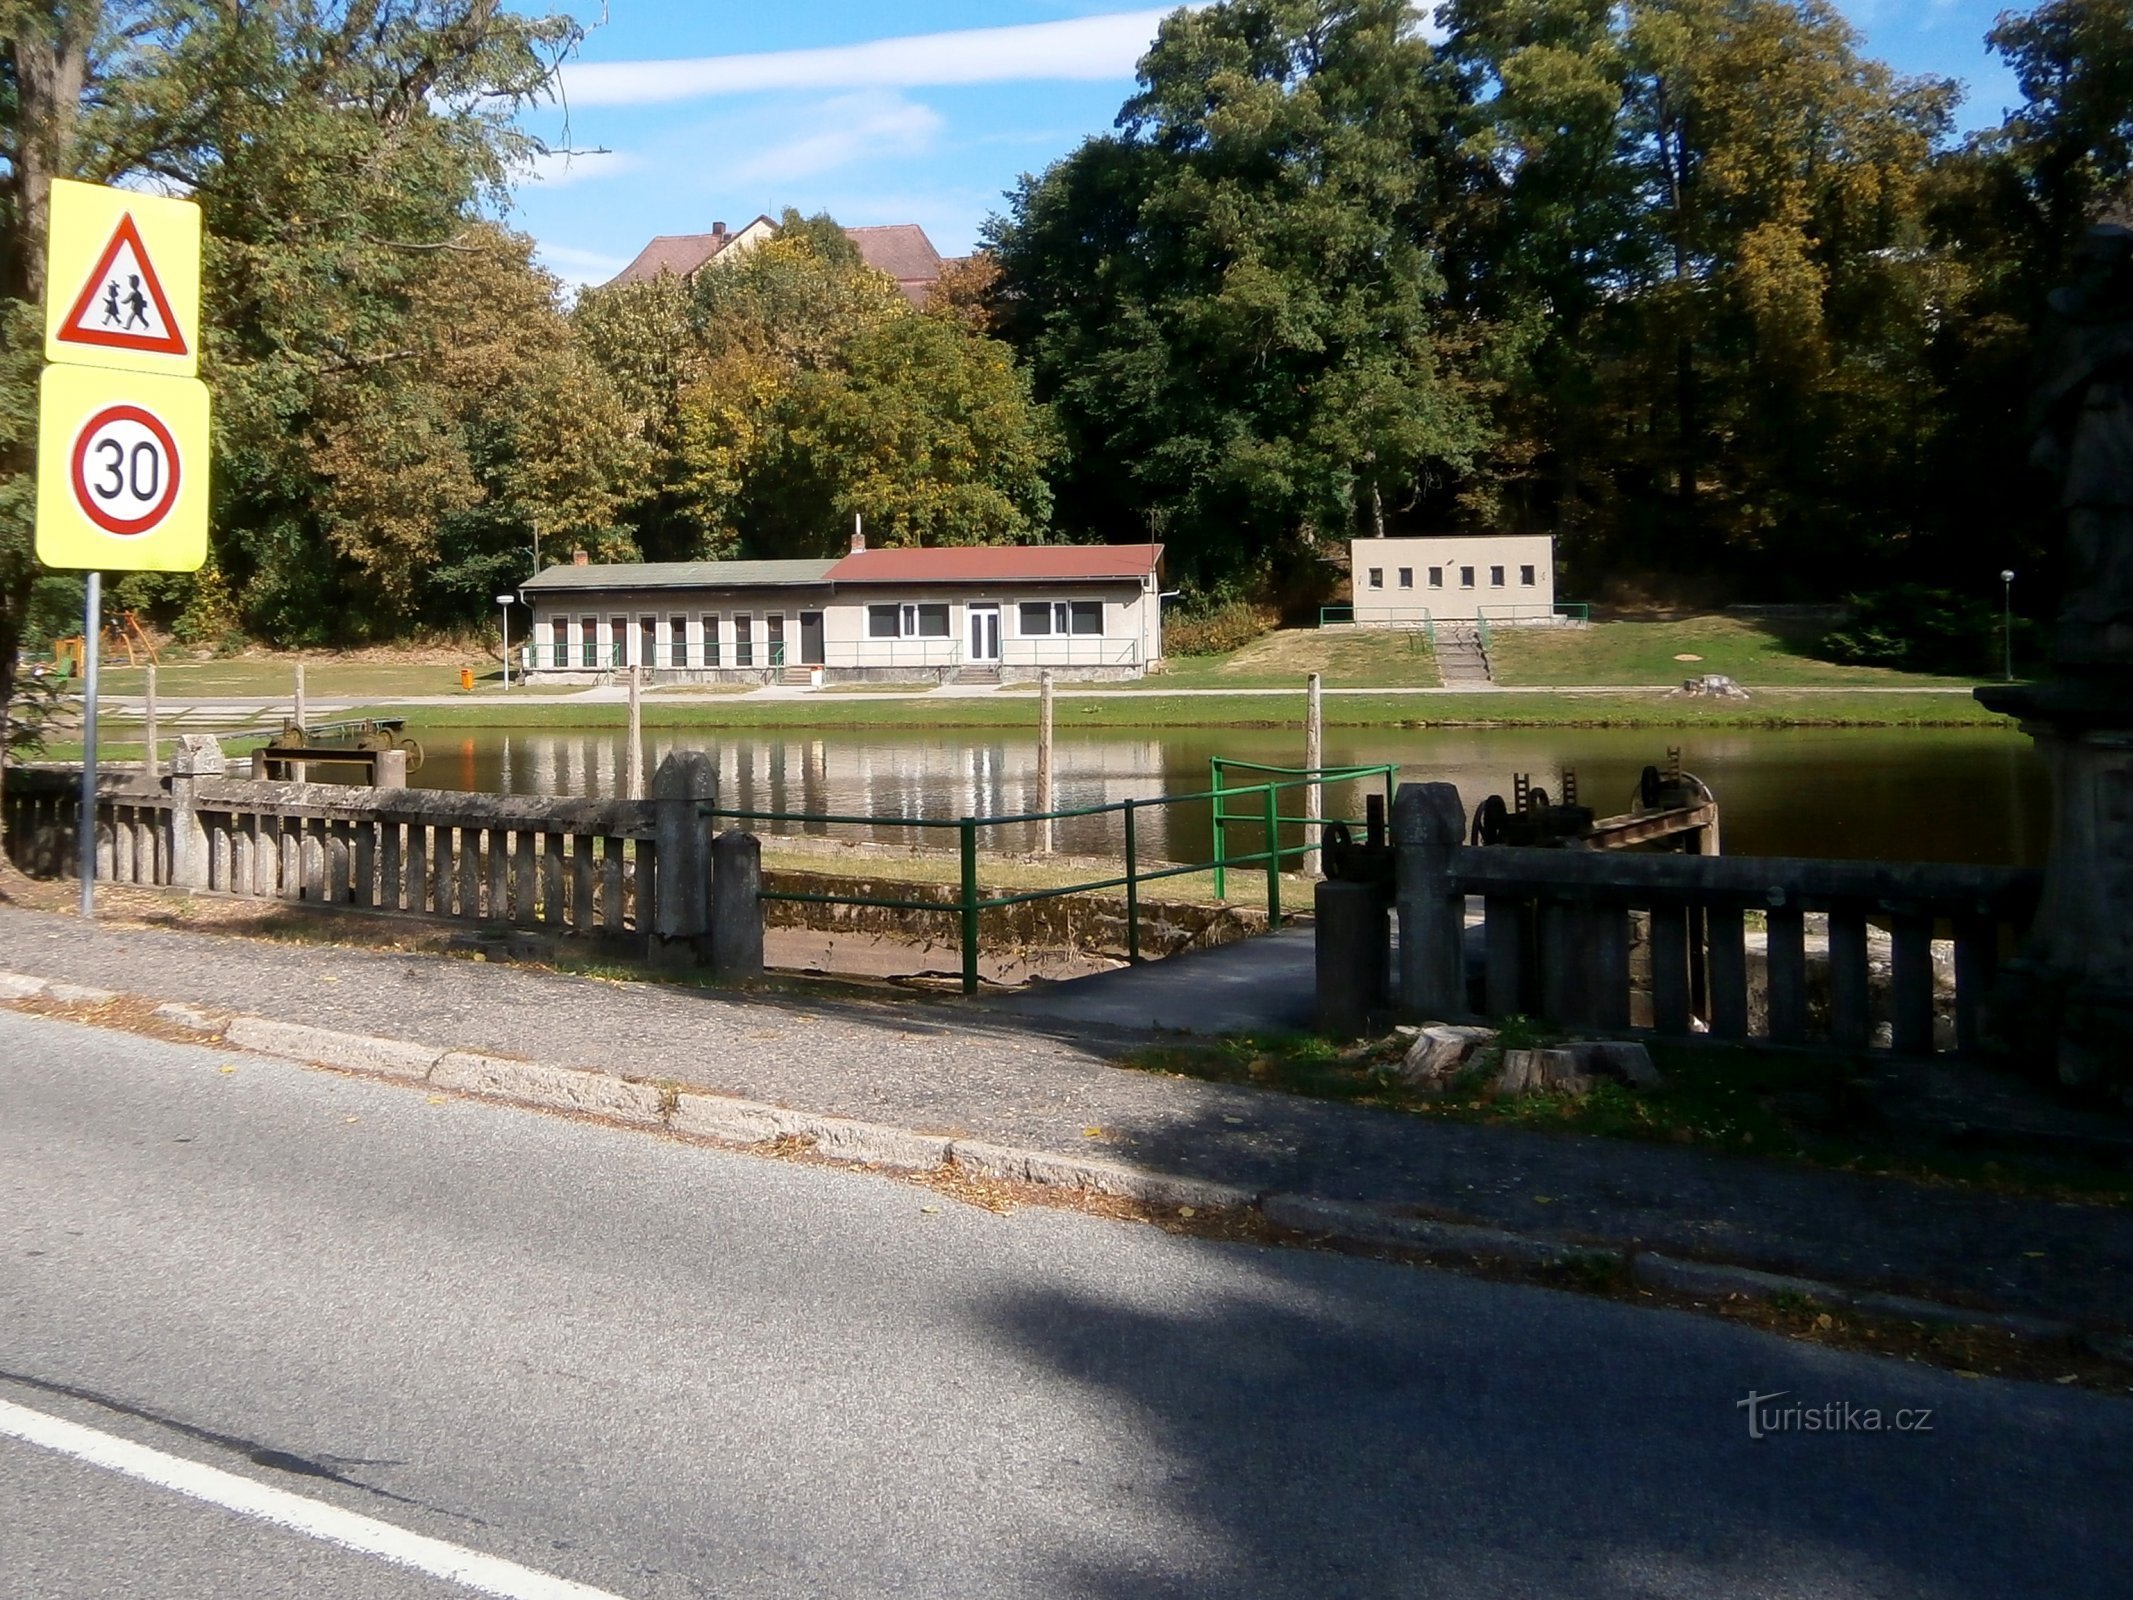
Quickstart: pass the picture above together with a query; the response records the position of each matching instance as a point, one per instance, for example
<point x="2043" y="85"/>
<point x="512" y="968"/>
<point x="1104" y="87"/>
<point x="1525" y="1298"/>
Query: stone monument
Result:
<point x="2064" y="1006"/>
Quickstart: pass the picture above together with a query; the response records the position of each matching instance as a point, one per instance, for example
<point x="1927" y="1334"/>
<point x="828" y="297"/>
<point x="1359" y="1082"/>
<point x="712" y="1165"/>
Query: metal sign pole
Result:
<point x="85" y="828"/>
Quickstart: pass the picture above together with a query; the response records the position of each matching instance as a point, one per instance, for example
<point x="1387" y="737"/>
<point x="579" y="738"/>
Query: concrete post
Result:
<point x="389" y="771"/>
<point x="1314" y="758"/>
<point x="1048" y="835"/>
<point x="634" y="764"/>
<point x="148" y="730"/>
<point x="1428" y="828"/>
<point x="737" y="905"/>
<point x="684" y="785"/>
<point x="1354" y="956"/>
<point x="198" y="755"/>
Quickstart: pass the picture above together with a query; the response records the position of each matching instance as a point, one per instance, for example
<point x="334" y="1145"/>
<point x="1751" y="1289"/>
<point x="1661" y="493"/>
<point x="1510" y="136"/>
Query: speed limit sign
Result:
<point x="122" y="470"/>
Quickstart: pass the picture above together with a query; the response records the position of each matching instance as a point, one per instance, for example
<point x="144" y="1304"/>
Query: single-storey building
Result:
<point x="996" y="613"/>
<point x="1506" y="577"/>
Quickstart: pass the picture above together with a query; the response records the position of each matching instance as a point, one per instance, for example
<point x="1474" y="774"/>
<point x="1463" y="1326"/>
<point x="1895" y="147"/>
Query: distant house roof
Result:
<point x="903" y="251"/>
<point x="899" y="249"/>
<point x="682" y="575"/>
<point x="1039" y="563"/>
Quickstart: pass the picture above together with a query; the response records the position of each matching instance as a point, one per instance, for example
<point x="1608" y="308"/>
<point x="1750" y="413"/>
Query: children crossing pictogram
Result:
<point x="122" y="305"/>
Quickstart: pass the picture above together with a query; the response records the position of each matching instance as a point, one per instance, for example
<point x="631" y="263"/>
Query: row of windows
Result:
<point x="1527" y="577"/>
<point x="1034" y="619"/>
<point x="667" y="643"/>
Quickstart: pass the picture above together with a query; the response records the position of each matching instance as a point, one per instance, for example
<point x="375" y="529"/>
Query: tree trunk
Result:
<point x="46" y="49"/>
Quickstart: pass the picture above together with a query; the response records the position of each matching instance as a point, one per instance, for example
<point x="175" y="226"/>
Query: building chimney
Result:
<point x="859" y="534"/>
<point x="578" y="558"/>
<point x="718" y="230"/>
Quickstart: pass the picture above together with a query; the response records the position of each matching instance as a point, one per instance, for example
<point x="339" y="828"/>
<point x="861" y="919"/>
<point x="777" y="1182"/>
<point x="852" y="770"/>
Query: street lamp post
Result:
<point x="2007" y="622"/>
<point x="504" y="601"/>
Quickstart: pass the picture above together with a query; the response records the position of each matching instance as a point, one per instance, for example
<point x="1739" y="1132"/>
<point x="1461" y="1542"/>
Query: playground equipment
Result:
<point x="126" y="633"/>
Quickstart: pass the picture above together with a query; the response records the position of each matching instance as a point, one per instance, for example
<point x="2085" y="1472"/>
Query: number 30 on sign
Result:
<point x="122" y="471"/>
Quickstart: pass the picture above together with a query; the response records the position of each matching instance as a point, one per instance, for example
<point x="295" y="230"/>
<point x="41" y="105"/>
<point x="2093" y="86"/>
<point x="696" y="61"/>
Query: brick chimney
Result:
<point x="578" y="558"/>
<point x="859" y="535"/>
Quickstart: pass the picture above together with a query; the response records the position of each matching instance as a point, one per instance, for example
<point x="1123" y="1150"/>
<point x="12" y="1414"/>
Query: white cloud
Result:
<point x="580" y="267"/>
<point x="853" y="128"/>
<point x="1083" y="48"/>
<point x="558" y="169"/>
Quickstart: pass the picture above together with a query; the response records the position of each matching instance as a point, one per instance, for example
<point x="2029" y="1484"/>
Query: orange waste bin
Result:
<point x="466" y="677"/>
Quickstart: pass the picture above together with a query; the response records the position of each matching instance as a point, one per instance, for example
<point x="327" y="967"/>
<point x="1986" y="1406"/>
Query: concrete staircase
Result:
<point x="1462" y="659"/>
<point x="974" y="674"/>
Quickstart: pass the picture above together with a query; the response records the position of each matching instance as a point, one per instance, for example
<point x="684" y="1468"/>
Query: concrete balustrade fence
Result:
<point x="1611" y="940"/>
<point x="586" y="866"/>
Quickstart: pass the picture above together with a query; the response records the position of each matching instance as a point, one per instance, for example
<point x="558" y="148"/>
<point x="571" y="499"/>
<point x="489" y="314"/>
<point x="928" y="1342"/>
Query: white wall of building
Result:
<point x="1069" y="624"/>
<point x="1506" y="577"/>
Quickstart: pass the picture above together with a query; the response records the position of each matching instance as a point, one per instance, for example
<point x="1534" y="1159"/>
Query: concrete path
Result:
<point x="1046" y="1084"/>
<point x="1262" y="985"/>
<point x="657" y="1371"/>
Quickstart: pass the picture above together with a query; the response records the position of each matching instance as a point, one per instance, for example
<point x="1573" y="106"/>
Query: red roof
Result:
<point x="1001" y="563"/>
<point x="678" y="253"/>
<point x="902" y="250"/>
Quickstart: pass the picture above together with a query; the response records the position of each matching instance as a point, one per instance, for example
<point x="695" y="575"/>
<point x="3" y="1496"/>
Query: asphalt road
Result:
<point x="603" y="1358"/>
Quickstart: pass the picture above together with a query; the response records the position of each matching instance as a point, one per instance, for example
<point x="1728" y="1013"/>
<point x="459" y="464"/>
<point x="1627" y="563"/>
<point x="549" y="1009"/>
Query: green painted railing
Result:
<point x="1329" y="615"/>
<point x="1261" y="809"/>
<point x="1575" y="610"/>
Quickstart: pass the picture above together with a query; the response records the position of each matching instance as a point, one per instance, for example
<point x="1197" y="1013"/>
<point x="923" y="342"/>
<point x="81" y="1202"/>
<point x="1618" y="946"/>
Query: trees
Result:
<point x="1705" y="223"/>
<point x="1234" y="303"/>
<point x="781" y="393"/>
<point x="343" y="151"/>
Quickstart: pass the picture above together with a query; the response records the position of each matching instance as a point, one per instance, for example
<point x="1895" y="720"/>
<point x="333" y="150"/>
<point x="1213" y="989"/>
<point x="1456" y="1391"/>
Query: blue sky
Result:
<point x="924" y="111"/>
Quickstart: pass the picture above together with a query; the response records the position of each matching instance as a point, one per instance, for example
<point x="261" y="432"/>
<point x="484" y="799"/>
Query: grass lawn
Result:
<point x="1757" y="651"/>
<point x="1348" y="660"/>
<point x="1154" y="709"/>
<point x="1787" y="1105"/>
<point x="325" y="677"/>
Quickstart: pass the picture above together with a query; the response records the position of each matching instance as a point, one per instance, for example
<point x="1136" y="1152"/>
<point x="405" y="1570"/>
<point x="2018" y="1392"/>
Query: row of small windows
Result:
<point x="665" y="643"/>
<point x="1035" y="619"/>
<point x="1527" y="577"/>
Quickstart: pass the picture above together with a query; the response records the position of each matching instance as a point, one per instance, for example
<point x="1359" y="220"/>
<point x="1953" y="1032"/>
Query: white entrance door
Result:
<point x="984" y="633"/>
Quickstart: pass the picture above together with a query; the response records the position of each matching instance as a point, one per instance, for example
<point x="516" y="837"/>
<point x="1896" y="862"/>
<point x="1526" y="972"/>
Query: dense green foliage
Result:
<point x="1692" y="284"/>
<point x="1235" y="302"/>
<point x="784" y="393"/>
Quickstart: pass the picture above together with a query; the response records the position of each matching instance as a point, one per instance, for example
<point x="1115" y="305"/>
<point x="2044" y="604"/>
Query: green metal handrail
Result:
<point x="970" y="902"/>
<point x="1326" y="615"/>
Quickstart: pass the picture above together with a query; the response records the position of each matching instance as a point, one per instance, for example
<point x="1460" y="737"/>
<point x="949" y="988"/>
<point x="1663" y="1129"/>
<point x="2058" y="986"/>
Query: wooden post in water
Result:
<point x="148" y="728"/>
<point x="1314" y="758"/>
<point x="635" y="763"/>
<point x="1047" y="837"/>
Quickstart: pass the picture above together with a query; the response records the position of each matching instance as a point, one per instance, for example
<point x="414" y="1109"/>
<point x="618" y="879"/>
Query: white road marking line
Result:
<point x="470" y="1568"/>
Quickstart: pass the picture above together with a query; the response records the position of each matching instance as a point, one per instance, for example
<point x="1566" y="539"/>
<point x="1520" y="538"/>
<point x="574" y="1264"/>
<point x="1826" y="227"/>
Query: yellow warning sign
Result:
<point x="122" y="285"/>
<point x="121" y="471"/>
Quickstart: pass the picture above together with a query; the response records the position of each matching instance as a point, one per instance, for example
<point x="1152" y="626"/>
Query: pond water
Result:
<point x="1967" y="795"/>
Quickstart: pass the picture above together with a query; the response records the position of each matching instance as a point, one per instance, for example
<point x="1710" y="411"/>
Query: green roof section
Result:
<point x="680" y="575"/>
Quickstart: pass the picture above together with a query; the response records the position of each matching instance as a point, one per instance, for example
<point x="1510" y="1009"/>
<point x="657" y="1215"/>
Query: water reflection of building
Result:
<point x="903" y="779"/>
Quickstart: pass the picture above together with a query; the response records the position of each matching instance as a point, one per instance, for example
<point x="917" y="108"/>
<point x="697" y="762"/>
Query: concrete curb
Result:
<point x="1358" y="1224"/>
<point x="729" y="1120"/>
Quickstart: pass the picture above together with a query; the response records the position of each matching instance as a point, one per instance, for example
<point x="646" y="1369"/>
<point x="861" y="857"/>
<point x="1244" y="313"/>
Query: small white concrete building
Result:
<point x="994" y="613"/>
<point x="1507" y="577"/>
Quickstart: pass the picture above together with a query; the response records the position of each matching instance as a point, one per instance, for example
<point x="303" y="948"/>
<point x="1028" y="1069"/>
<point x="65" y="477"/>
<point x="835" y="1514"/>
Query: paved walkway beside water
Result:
<point x="1262" y="985"/>
<point x="1048" y="1083"/>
